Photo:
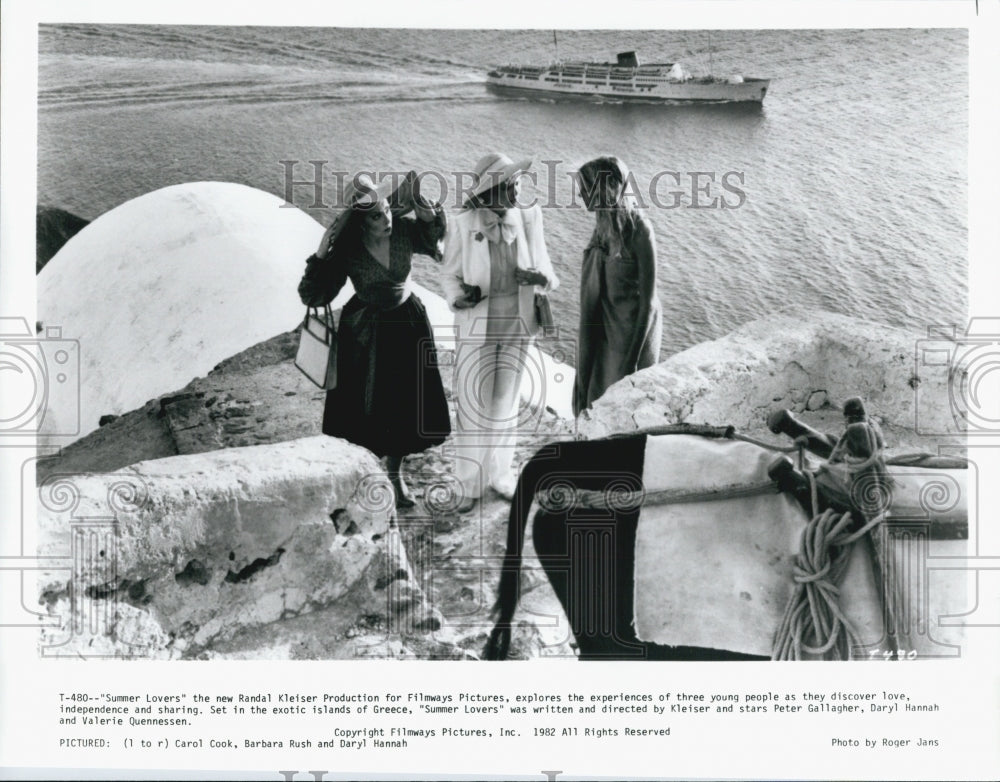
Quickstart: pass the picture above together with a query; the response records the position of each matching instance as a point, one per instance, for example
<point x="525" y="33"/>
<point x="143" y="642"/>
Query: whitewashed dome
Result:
<point x="159" y="290"/>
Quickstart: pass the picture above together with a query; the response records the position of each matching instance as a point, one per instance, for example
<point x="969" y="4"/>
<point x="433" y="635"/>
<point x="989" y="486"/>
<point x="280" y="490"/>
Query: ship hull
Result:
<point x="748" y="91"/>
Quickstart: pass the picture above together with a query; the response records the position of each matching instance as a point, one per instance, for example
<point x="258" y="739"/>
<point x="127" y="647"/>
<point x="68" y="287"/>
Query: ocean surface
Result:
<point x="853" y="173"/>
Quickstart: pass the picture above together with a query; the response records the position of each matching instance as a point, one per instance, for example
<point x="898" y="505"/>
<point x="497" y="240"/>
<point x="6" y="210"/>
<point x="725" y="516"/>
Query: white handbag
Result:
<point x="317" y="354"/>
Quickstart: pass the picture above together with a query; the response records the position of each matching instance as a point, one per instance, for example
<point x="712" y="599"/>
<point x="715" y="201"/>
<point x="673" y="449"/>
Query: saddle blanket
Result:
<point x="717" y="572"/>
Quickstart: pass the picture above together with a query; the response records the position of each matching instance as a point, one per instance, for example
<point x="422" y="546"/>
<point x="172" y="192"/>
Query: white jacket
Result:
<point x="467" y="259"/>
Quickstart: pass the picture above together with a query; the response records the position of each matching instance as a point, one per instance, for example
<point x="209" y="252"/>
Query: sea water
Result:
<point x="853" y="172"/>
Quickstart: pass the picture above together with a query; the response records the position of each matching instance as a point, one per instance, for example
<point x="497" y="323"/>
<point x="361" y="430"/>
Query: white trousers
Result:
<point x="487" y="397"/>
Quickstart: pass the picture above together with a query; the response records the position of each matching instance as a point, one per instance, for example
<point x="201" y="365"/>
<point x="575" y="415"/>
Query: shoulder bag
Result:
<point x="317" y="354"/>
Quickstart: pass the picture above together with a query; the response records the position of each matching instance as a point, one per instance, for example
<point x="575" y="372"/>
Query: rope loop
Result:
<point x="813" y="622"/>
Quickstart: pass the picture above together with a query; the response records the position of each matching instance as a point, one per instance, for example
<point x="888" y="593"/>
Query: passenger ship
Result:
<point x="627" y="80"/>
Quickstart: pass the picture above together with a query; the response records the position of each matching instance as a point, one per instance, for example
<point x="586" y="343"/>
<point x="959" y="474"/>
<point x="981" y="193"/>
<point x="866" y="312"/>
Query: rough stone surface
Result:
<point x="455" y="559"/>
<point x="214" y="546"/>
<point x="258" y="389"/>
<point x="784" y="362"/>
<point x="811" y="369"/>
<point x="446" y="564"/>
<point x="300" y="585"/>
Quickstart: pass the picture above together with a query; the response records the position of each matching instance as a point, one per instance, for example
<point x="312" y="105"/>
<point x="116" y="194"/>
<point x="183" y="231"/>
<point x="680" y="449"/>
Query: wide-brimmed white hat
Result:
<point x="494" y="169"/>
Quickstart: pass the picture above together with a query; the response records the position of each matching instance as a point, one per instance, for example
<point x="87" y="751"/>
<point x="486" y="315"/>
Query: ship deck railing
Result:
<point x="598" y="74"/>
<point x="599" y="71"/>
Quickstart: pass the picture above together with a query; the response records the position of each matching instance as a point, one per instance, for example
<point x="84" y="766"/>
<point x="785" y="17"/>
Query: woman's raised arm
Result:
<point x="428" y="230"/>
<point x="322" y="281"/>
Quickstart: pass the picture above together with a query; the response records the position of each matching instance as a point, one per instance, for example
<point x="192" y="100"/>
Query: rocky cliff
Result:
<point x="808" y="366"/>
<point x="203" y="552"/>
<point x="253" y="548"/>
<point x="251" y="427"/>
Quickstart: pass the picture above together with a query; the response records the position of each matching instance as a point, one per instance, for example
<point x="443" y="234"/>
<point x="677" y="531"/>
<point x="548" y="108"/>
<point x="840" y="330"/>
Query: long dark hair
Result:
<point x="616" y="208"/>
<point x="348" y="241"/>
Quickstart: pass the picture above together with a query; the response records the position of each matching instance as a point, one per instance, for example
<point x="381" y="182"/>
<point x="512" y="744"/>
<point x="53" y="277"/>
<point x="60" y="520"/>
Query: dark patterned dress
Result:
<point x="389" y="396"/>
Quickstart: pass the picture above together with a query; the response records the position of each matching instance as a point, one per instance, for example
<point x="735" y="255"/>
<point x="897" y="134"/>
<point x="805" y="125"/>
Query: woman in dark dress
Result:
<point x="389" y="396"/>
<point x="620" y="312"/>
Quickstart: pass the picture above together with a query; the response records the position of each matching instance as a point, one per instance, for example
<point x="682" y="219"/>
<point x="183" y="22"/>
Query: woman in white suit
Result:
<point x="494" y="262"/>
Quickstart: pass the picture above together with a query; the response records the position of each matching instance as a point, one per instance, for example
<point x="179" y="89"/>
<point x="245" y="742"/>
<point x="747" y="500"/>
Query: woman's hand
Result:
<point x="471" y="296"/>
<point x="425" y="210"/>
<point x="407" y="198"/>
<point x="324" y="243"/>
<point x="530" y="277"/>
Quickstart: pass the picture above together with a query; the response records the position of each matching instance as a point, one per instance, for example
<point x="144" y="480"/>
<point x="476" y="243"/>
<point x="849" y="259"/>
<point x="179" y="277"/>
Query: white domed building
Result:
<point x="162" y="288"/>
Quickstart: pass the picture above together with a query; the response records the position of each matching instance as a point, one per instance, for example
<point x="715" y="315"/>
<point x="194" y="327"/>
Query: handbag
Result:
<point x="543" y="312"/>
<point x="316" y="357"/>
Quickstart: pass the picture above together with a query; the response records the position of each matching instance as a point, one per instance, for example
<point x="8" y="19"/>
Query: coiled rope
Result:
<point x="813" y="622"/>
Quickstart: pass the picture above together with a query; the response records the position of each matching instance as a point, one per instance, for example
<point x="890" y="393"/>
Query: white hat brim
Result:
<point x="497" y="176"/>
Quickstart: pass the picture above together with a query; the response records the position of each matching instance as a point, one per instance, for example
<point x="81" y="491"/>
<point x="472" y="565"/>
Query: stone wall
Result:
<point x="785" y="362"/>
<point x="209" y="548"/>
